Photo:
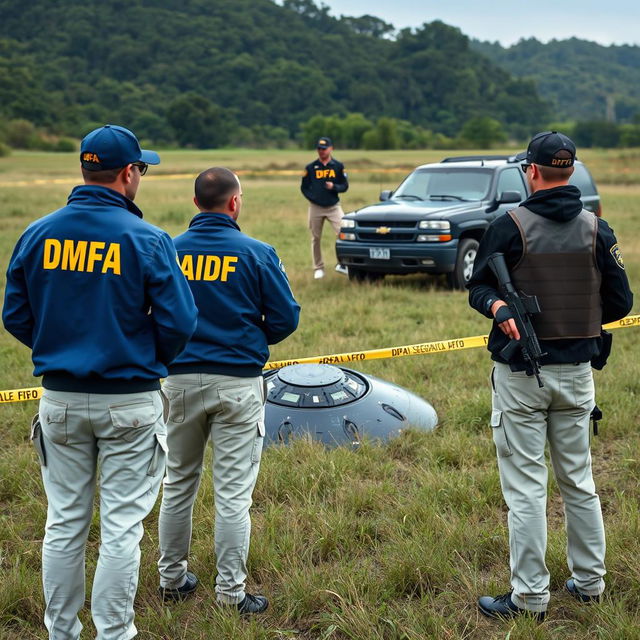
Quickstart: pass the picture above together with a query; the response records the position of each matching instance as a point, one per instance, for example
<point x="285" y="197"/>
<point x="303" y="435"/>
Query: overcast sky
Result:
<point x="605" y="21"/>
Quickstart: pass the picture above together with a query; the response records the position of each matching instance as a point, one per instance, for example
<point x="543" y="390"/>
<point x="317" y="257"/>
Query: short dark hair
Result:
<point x="105" y="176"/>
<point x="214" y="187"/>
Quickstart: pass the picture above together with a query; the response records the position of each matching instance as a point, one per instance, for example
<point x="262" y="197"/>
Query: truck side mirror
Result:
<point x="507" y="197"/>
<point x="385" y="195"/>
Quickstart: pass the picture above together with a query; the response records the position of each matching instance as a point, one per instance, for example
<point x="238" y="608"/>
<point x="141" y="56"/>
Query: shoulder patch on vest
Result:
<point x="617" y="255"/>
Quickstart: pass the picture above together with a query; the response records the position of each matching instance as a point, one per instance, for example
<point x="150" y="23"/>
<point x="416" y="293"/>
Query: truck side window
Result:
<point x="582" y="179"/>
<point x="510" y="180"/>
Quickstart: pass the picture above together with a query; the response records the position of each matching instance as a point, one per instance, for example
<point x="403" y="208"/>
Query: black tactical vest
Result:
<point x="559" y="266"/>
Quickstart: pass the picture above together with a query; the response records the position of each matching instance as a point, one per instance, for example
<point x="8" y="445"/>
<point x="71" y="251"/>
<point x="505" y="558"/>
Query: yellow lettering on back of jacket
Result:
<point x="81" y="255"/>
<point x="207" y="267"/>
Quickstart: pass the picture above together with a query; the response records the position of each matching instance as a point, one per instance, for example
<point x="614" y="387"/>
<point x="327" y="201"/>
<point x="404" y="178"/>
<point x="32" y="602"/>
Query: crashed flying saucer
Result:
<point x="339" y="406"/>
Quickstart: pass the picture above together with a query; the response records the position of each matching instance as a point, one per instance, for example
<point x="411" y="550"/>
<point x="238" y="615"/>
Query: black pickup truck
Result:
<point x="433" y="222"/>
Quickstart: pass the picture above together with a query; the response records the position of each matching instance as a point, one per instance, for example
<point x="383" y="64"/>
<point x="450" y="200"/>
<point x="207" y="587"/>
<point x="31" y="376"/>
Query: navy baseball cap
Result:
<point x="324" y="143"/>
<point x="545" y="148"/>
<point x="112" y="147"/>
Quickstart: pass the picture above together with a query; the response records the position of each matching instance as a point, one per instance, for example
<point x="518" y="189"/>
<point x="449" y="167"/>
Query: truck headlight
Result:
<point x="440" y="225"/>
<point x="348" y="224"/>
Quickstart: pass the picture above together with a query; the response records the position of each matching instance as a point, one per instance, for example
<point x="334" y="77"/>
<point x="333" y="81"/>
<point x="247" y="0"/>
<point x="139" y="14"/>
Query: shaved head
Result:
<point x="214" y="187"/>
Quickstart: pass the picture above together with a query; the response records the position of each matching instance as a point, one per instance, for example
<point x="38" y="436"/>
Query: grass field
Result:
<point x="393" y="542"/>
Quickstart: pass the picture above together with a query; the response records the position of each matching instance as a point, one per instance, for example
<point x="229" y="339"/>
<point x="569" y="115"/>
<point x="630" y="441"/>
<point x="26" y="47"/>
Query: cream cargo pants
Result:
<point x="118" y="442"/>
<point x="524" y="418"/>
<point x="230" y="411"/>
<point x="317" y="216"/>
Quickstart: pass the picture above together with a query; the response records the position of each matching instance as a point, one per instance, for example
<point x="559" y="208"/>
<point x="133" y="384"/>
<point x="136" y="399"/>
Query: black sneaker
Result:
<point x="570" y="586"/>
<point x="252" y="604"/>
<point x="503" y="607"/>
<point x="182" y="592"/>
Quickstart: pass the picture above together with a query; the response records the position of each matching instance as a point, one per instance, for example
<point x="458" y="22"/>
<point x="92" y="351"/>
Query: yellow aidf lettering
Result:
<point x="208" y="267"/>
<point x="325" y="173"/>
<point x="81" y="255"/>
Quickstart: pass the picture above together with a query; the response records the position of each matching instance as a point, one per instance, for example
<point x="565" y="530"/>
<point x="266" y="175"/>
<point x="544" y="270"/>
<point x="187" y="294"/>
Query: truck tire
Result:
<point x="467" y="251"/>
<point x="360" y="275"/>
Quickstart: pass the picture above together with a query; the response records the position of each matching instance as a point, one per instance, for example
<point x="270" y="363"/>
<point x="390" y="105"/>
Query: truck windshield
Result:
<point x="443" y="185"/>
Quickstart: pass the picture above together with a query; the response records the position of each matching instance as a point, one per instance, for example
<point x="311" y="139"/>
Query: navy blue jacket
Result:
<point x="98" y="296"/>
<point x="316" y="175"/>
<point x="243" y="297"/>
<point x="559" y="203"/>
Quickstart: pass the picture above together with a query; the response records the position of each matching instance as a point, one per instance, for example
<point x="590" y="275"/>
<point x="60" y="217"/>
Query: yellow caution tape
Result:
<point x="390" y="352"/>
<point x="422" y="348"/>
<point x="20" y="395"/>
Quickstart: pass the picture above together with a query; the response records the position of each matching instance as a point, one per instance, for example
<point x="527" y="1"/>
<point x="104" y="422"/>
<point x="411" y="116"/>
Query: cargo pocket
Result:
<point x="159" y="457"/>
<point x="53" y="420"/>
<point x="240" y="404"/>
<point x="37" y="440"/>
<point x="130" y="420"/>
<point x="256" y="450"/>
<point x="499" y="435"/>
<point x="175" y="397"/>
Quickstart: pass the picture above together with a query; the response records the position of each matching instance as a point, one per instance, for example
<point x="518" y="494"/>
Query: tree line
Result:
<point x="195" y="73"/>
<point x="207" y="74"/>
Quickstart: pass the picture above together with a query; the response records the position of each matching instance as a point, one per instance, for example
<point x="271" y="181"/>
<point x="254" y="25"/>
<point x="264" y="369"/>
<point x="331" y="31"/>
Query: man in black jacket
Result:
<point x="570" y="260"/>
<point x="323" y="180"/>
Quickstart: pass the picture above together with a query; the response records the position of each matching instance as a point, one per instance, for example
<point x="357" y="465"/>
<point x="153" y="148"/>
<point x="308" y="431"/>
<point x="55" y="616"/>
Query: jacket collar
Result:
<point x="212" y="218"/>
<point x="91" y="194"/>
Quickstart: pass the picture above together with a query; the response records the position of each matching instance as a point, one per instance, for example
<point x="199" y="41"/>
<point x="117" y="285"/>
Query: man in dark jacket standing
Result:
<point x="96" y="294"/>
<point x="216" y="388"/>
<point x="323" y="180"/>
<point x="570" y="260"/>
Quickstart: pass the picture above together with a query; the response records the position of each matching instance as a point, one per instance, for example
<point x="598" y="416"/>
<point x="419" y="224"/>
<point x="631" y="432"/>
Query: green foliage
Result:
<point x="596" y="134"/>
<point x="21" y="134"/>
<point x="482" y="133"/>
<point x="239" y="64"/>
<point x="197" y="122"/>
<point x="582" y="80"/>
<point x="5" y="150"/>
<point x="64" y="145"/>
<point x="630" y="135"/>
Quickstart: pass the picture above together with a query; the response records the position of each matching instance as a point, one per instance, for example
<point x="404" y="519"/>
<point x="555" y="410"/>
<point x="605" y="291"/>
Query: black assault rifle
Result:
<point x="522" y="307"/>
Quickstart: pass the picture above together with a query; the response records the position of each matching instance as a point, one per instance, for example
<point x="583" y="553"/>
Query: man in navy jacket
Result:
<point x="96" y="294"/>
<point x="322" y="182"/>
<point x="216" y="388"/>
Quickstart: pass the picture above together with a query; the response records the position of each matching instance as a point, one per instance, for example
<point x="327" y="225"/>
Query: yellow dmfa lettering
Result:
<point x="73" y="257"/>
<point x="331" y="174"/>
<point x="52" y="251"/>
<point x="319" y="174"/>
<point x="226" y="266"/>
<point x="80" y="255"/>
<point x="187" y="266"/>
<point x="112" y="259"/>
<point x="94" y="254"/>
<point x="213" y="262"/>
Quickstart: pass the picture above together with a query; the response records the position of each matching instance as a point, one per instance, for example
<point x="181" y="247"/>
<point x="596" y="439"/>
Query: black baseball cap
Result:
<point x="112" y="147"/>
<point x="324" y="143"/>
<point x="544" y="149"/>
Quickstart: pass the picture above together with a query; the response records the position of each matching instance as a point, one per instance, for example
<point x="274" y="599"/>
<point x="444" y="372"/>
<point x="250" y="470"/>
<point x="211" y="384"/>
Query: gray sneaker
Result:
<point x="340" y="268"/>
